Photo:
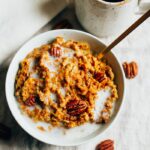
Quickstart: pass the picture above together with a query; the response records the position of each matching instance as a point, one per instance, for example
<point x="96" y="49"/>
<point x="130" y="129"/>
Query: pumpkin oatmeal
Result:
<point x="58" y="83"/>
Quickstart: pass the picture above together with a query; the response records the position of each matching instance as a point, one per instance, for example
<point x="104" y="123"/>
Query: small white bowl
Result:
<point x="77" y="135"/>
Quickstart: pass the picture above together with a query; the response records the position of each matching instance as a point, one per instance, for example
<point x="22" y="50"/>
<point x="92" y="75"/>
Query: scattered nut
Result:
<point x="99" y="76"/>
<point x="130" y="69"/>
<point x="55" y="51"/>
<point x="30" y="101"/>
<point x="76" y="107"/>
<point x="106" y="145"/>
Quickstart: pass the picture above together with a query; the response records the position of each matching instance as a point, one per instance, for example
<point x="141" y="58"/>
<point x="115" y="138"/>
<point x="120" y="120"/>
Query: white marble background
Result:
<point x="20" y="19"/>
<point x="131" y="131"/>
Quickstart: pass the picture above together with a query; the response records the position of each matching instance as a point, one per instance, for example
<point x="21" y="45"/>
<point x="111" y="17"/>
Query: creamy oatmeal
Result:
<point x="58" y="83"/>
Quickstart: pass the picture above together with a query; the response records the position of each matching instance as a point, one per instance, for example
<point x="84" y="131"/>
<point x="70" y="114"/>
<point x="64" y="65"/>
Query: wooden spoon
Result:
<point x="124" y="34"/>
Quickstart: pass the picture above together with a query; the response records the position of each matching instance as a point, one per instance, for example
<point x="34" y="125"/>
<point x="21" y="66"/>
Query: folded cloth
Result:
<point x="20" y="19"/>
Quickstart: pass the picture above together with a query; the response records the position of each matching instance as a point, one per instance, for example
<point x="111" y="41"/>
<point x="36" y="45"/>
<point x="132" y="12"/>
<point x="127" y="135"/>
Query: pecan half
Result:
<point x="106" y="145"/>
<point x="76" y="107"/>
<point x="55" y="51"/>
<point x="130" y="69"/>
<point x="30" y="101"/>
<point x="99" y="76"/>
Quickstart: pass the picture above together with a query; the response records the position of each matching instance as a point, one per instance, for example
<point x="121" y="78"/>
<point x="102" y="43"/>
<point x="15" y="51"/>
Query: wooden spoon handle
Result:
<point x="124" y="34"/>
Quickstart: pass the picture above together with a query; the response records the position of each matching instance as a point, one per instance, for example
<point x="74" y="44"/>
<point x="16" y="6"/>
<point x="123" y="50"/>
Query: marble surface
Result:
<point x="20" y="19"/>
<point x="131" y="131"/>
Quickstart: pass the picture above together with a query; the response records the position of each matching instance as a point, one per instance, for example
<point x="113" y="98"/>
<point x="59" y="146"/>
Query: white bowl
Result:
<point x="77" y="135"/>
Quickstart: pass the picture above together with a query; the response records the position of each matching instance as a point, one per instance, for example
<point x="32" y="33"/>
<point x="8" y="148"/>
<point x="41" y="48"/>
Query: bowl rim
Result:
<point x="21" y="124"/>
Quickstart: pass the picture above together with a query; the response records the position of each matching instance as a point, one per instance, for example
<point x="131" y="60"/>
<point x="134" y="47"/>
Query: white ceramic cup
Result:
<point x="104" y="18"/>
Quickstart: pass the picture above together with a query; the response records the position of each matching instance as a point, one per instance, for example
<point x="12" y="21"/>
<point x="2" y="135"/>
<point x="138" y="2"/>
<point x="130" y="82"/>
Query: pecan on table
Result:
<point x="106" y="145"/>
<point x="130" y="69"/>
